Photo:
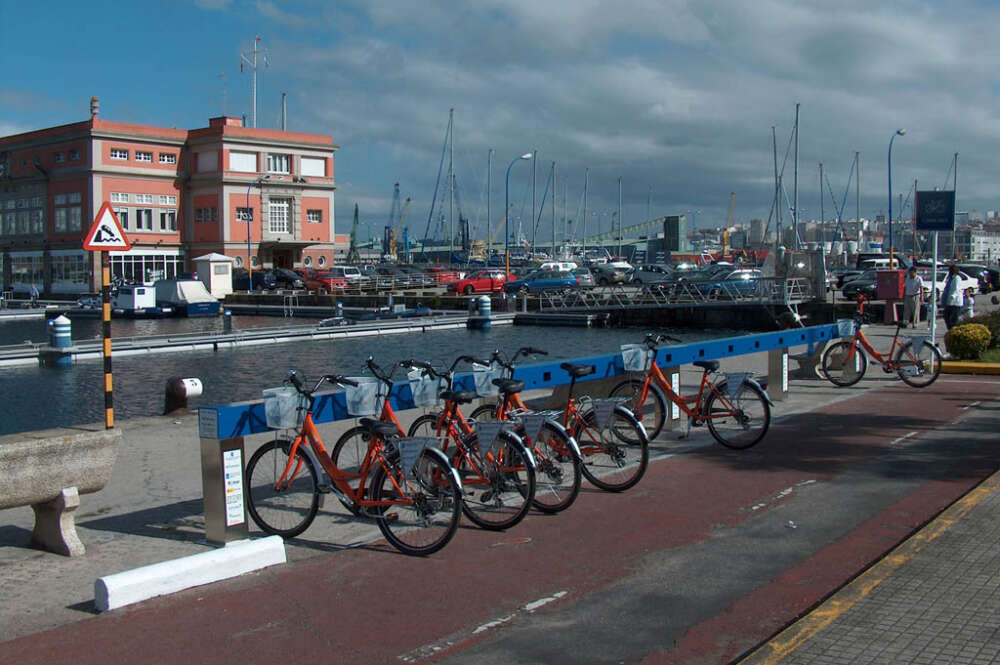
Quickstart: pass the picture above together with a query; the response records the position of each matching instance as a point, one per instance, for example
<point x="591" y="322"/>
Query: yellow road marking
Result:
<point x="803" y="630"/>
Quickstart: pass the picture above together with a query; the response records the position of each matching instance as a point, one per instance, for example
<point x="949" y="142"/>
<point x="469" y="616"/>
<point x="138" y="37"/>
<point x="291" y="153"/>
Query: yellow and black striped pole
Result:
<point x="109" y="409"/>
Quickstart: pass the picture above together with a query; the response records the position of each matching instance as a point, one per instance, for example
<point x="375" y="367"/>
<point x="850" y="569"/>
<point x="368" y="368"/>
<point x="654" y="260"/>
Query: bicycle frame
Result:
<point x="884" y="360"/>
<point x="689" y="405"/>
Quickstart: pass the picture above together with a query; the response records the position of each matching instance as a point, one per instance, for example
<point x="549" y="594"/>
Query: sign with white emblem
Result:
<point x="106" y="233"/>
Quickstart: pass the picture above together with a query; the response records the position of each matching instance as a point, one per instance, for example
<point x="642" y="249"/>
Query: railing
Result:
<point x="763" y="290"/>
<point x="232" y="420"/>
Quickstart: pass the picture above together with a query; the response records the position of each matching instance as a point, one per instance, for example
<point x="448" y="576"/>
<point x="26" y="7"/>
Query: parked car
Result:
<point x="865" y="283"/>
<point x="321" y="279"/>
<point x="443" y="275"/>
<point x="262" y="279"/>
<point x="542" y="280"/>
<point x="350" y="274"/>
<point x="733" y="284"/>
<point x="287" y="279"/>
<point x="990" y="281"/>
<point x="481" y="280"/>
<point x="585" y="277"/>
<point x="652" y="274"/>
<point x="611" y="273"/>
<point x="964" y="282"/>
<point x="418" y="278"/>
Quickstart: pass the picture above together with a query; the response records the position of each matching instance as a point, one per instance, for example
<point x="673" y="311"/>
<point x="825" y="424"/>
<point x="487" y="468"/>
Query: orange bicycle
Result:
<point x="917" y="361"/>
<point x="497" y="471"/>
<point x="736" y="409"/>
<point x="414" y="495"/>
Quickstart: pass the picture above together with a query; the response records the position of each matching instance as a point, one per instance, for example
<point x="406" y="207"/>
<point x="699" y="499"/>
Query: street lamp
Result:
<point x="249" y="218"/>
<point x="899" y="132"/>
<point x="506" y="209"/>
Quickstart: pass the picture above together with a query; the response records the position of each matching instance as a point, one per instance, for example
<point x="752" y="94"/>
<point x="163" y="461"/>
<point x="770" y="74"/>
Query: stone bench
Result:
<point x="49" y="470"/>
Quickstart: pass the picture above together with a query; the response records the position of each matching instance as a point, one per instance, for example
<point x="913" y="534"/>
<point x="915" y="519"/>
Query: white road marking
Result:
<point x="779" y="495"/>
<point x="534" y="605"/>
<point x="898" y="441"/>
<point x="971" y="405"/>
<point x="493" y="624"/>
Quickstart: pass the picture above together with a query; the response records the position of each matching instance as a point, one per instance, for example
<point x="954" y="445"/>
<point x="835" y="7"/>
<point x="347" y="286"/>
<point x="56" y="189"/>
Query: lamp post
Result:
<point x="506" y="210"/>
<point x="249" y="219"/>
<point x="899" y="132"/>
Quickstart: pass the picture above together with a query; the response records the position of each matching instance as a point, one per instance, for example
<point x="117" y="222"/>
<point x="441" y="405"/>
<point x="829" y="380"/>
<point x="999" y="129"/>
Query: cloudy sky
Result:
<point x="676" y="98"/>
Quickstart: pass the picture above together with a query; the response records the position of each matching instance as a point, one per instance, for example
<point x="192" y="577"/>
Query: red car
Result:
<point x="443" y="275"/>
<point x="319" y="279"/>
<point x="481" y="280"/>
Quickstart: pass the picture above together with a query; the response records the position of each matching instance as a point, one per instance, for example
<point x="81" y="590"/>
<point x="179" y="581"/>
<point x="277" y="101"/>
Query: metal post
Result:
<point x="109" y="409"/>
<point x="619" y="218"/>
<point x="553" y="209"/>
<point x="586" y="182"/>
<point x="899" y="132"/>
<point x="795" y="197"/>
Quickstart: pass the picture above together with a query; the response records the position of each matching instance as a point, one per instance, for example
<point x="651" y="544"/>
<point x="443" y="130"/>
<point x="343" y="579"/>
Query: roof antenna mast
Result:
<point x="251" y="61"/>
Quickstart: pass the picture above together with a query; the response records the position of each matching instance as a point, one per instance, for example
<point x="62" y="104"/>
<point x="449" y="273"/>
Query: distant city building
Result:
<point x="178" y="194"/>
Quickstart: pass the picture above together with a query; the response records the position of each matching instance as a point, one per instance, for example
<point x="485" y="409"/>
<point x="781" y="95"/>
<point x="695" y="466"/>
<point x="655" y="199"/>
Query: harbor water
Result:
<point x="39" y="398"/>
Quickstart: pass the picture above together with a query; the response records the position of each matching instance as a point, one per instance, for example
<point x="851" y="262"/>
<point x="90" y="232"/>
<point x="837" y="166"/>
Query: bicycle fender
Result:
<point x="441" y="457"/>
<point x="626" y="413"/>
<point x="756" y="384"/>
<point x="516" y="441"/>
<point x="574" y="446"/>
<point x="323" y="482"/>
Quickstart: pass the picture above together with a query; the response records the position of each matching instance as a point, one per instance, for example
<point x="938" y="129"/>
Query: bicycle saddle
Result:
<point x="509" y="386"/>
<point x="379" y="428"/>
<point x="710" y="365"/>
<point x="577" y="371"/>
<point x="460" y="396"/>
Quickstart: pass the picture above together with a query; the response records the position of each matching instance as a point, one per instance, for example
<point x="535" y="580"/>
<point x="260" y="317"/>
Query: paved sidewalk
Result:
<point x="933" y="599"/>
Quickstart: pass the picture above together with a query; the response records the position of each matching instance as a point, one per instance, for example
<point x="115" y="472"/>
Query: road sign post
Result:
<point x="106" y="234"/>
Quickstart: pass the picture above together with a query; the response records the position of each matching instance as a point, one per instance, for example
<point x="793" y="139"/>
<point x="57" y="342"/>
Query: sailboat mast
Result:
<point x="795" y="184"/>
<point x="534" y="226"/>
<point x="619" y="218"/>
<point x="777" y="191"/>
<point x="586" y="182"/>
<point x="489" y="200"/>
<point x="451" y="185"/>
<point x="553" y="210"/>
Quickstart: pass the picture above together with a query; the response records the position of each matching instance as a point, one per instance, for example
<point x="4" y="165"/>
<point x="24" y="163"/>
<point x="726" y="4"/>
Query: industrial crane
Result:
<point x="353" y="256"/>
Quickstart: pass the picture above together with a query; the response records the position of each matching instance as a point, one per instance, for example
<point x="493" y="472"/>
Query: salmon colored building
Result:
<point x="259" y="195"/>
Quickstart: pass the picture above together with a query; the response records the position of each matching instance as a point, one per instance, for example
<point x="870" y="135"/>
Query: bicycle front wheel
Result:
<point x="738" y="421"/>
<point x="842" y="367"/>
<point x="348" y="455"/>
<point x="425" y="425"/>
<point x="652" y="412"/>
<point x="558" y="476"/>
<point x="918" y="368"/>
<point x="422" y="512"/>
<point x="615" y="457"/>
<point x="282" y="507"/>
<point x="497" y="489"/>
<point x="484" y="413"/>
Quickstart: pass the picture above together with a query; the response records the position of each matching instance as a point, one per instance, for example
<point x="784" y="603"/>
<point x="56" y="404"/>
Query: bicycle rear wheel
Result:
<point x="425" y="425"/>
<point x="615" y="457"/>
<point x="918" y="368"/>
<point x="484" y="413"/>
<point x="652" y="412"/>
<point x="348" y="455"/>
<point x="497" y="490"/>
<point x="423" y="518"/>
<point x="739" y="421"/>
<point x="287" y="509"/>
<point x="558" y="476"/>
<point x="841" y="367"/>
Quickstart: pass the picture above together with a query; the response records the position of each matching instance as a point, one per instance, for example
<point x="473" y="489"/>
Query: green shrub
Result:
<point x="991" y="321"/>
<point x="968" y="341"/>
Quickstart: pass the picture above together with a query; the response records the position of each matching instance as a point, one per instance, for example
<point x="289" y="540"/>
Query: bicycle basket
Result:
<point x="365" y="399"/>
<point x="487" y="435"/>
<point x="426" y="389"/>
<point x="284" y="407"/>
<point x="483" y="375"/>
<point x="603" y="410"/>
<point x="409" y="451"/>
<point x="636" y="357"/>
<point x="534" y="420"/>
<point x="845" y="327"/>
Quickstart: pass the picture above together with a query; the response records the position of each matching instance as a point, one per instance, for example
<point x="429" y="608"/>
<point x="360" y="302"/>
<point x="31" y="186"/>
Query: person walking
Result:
<point x="33" y="294"/>
<point x="951" y="297"/>
<point x="913" y="292"/>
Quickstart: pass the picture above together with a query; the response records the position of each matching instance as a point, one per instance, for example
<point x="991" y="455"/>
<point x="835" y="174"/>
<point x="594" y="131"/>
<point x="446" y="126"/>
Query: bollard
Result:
<point x="59" y="352"/>
<point x="177" y="393"/>
<point x="777" y="374"/>
<point x="673" y="415"/>
<point x="524" y="302"/>
<point x="485" y="312"/>
<point x="473" y="306"/>
<point x="227" y="321"/>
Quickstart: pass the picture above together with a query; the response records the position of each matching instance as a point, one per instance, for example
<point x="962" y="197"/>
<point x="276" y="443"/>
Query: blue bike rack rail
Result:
<point x="237" y="420"/>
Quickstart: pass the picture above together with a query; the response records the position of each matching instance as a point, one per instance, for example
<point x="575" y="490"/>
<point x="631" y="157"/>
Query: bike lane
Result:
<point x="711" y="553"/>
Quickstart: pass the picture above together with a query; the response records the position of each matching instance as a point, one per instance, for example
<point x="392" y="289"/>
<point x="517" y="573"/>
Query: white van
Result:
<point x="350" y="274"/>
<point x="880" y="264"/>
<point x="564" y="266"/>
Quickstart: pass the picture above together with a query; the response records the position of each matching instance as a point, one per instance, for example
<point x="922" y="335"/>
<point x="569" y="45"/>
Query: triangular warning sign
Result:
<point x="106" y="232"/>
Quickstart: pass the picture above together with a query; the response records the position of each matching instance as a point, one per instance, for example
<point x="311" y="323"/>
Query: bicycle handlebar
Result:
<point x="293" y="378"/>
<point x="377" y="372"/>
<point x="652" y="340"/>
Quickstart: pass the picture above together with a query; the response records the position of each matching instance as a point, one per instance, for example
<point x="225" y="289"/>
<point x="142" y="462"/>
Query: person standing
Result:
<point x="33" y="294"/>
<point x="913" y="291"/>
<point x="951" y="297"/>
<point x="968" y="304"/>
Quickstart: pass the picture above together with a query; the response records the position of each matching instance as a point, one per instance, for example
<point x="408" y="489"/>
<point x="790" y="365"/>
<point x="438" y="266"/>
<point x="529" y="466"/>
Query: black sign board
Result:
<point x="936" y="211"/>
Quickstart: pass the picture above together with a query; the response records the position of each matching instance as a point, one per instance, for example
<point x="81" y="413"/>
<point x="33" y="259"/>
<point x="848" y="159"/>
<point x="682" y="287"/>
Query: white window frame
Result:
<point x="314" y="167"/>
<point x="119" y="197"/>
<point x="119" y="153"/>
<point x="168" y="220"/>
<point x="144" y="198"/>
<point x="279" y="216"/>
<point x="242" y="162"/>
<point x="143" y="219"/>
<point x="122" y="214"/>
<point x="319" y="215"/>
<point x="60" y="157"/>
<point x="279" y="163"/>
<point x="144" y="156"/>
<point x="168" y="158"/>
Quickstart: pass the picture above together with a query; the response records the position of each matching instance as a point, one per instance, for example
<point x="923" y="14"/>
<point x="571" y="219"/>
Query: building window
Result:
<point x="74" y="155"/>
<point x="60" y="157"/>
<point x="279" y="163"/>
<point x="122" y="214"/>
<point x="206" y="214"/>
<point x="119" y="153"/>
<point x="314" y="216"/>
<point x="141" y="156"/>
<point x="168" y="200"/>
<point x="73" y="197"/>
<point x="36" y="221"/>
<point x="143" y="198"/>
<point x="119" y="197"/>
<point x="322" y="261"/>
<point x="308" y="261"/>
<point x="244" y="214"/>
<point x="243" y="162"/>
<point x="168" y="220"/>
<point x="168" y="158"/>
<point x="277" y="215"/>
<point x="144" y="219"/>
<point x="58" y="199"/>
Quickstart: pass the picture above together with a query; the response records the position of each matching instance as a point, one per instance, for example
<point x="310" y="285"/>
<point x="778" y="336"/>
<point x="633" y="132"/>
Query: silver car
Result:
<point x="652" y="274"/>
<point x="585" y="277"/>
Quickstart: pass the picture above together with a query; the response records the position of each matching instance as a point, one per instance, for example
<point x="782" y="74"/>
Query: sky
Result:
<point x="675" y="98"/>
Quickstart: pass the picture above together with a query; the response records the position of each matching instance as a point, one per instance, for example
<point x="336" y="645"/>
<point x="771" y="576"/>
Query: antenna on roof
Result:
<point x="251" y="61"/>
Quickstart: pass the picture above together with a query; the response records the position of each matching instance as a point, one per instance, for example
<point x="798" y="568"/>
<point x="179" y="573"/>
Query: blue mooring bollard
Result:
<point x="480" y="311"/>
<point x="60" y="350"/>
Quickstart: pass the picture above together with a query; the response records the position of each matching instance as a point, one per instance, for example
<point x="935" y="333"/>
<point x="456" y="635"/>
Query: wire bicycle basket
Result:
<point x="365" y="399"/>
<point x="636" y="357"/>
<point x="284" y="407"/>
<point x="483" y="376"/>
<point x="426" y="389"/>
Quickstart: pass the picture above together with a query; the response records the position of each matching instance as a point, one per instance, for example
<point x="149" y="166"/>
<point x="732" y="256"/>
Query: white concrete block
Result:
<point x="159" y="579"/>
